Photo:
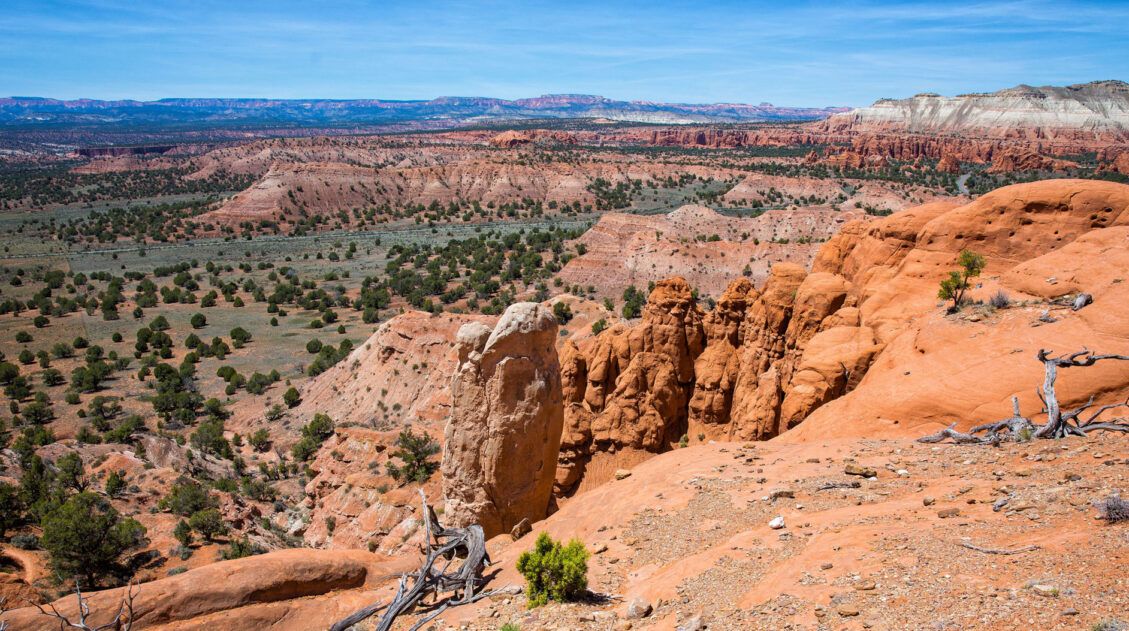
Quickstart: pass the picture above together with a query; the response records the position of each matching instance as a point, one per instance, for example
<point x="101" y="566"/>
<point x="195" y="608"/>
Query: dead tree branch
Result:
<point x="122" y="621"/>
<point x="440" y="544"/>
<point x="999" y="550"/>
<point x="1059" y="423"/>
<point x="959" y="438"/>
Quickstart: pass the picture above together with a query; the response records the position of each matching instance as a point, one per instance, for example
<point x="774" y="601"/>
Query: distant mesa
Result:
<point x="305" y="113"/>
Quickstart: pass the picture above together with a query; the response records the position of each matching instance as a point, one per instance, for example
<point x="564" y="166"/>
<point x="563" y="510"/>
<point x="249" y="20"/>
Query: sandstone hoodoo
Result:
<point x="504" y="433"/>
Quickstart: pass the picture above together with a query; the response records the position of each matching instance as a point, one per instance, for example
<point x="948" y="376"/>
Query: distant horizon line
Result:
<point x="576" y="95"/>
<point x="593" y="97"/>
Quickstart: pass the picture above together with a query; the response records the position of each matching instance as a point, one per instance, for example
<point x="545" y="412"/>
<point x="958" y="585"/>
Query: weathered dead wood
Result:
<point x="959" y="438"/>
<point x="977" y="548"/>
<point x="1059" y="423"/>
<point x="848" y="484"/>
<point x="445" y="545"/>
<point x="122" y="621"/>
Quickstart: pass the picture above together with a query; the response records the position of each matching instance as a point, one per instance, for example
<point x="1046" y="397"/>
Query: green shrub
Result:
<point x="183" y="533"/>
<point x="187" y="496"/>
<point x="414" y="450"/>
<point x="209" y="523"/>
<point x="87" y="537"/>
<point x="553" y="571"/>
<point x="239" y="548"/>
<point x="562" y="312"/>
<point x="954" y="287"/>
<point x="292" y="398"/>
<point x="11" y="507"/>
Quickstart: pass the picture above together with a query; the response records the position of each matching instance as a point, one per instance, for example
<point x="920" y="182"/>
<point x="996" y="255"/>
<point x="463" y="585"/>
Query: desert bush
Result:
<point x="260" y="440"/>
<point x="553" y="571"/>
<point x="183" y="533"/>
<point x="11" y="507"/>
<point x="239" y="548"/>
<point x="1113" y="509"/>
<point x="562" y="312"/>
<point x="186" y="497"/>
<point x="291" y="397"/>
<point x="314" y="434"/>
<point x="26" y="541"/>
<point x="1000" y="300"/>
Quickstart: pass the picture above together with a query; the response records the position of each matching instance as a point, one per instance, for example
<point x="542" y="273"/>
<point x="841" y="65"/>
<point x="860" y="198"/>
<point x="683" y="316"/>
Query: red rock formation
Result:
<point x="1024" y="160"/>
<point x="948" y="164"/>
<point x="1120" y="164"/>
<point x="629" y="388"/>
<point x="627" y="249"/>
<point x="850" y="159"/>
<point x="511" y="138"/>
<point x="809" y="346"/>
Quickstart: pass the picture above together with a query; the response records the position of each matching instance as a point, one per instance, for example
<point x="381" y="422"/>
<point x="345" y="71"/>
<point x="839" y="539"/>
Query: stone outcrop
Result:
<point x="854" y="160"/>
<point x="1114" y="160"/>
<point x="503" y="436"/>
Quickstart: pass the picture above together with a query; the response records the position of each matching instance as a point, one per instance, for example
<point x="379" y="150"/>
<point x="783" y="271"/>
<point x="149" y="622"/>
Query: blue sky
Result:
<point x="787" y="53"/>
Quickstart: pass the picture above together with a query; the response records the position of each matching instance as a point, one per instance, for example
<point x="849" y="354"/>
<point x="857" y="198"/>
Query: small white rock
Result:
<point x="902" y="473"/>
<point x="777" y="523"/>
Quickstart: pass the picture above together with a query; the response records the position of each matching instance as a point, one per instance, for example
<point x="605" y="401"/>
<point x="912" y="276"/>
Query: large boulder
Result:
<point x="504" y="433"/>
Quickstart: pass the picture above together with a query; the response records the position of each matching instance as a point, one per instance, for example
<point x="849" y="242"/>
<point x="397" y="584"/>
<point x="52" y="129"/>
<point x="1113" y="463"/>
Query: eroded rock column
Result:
<point x="504" y="433"/>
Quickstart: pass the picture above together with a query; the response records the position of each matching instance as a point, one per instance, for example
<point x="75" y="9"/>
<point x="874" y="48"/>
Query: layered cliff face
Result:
<point x="1074" y="111"/>
<point x="504" y="432"/>
<point x="809" y="347"/>
<point x="1015" y="129"/>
